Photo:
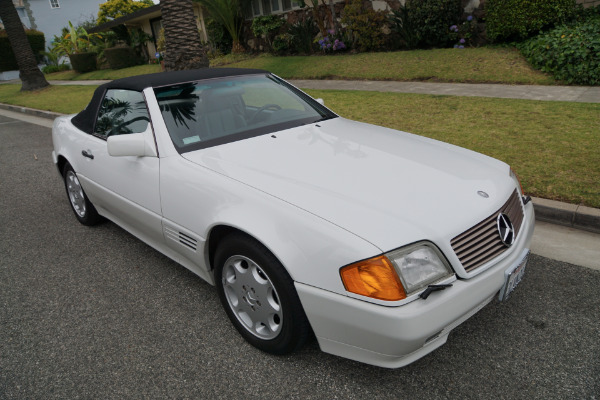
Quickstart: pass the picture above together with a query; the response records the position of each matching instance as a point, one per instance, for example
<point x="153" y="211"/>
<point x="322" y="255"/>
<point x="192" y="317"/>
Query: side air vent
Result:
<point x="181" y="238"/>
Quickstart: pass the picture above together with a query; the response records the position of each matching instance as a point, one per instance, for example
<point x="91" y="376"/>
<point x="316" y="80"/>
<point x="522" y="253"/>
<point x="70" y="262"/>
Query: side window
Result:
<point x="121" y="112"/>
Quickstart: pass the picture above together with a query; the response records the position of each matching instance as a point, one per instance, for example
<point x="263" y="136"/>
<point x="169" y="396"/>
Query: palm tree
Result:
<point x="182" y="40"/>
<point x="31" y="76"/>
<point x="229" y="14"/>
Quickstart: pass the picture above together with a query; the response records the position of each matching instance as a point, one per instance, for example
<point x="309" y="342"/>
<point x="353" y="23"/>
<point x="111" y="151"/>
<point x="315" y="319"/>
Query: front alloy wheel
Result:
<point x="259" y="296"/>
<point x="252" y="297"/>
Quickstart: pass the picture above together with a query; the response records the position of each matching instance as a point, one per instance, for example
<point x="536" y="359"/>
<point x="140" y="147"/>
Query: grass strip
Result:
<point x="472" y="65"/>
<point x="61" y="99"/>
<point x="553" y="146"/>
<point x="104" y="74"/>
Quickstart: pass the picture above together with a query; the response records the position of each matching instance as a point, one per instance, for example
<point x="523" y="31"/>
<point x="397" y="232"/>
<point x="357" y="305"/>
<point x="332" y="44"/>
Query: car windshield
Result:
<point x="217" y="111"/>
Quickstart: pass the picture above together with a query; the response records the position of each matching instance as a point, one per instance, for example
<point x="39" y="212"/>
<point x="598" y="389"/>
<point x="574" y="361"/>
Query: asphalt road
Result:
<point x="95" y="313"/>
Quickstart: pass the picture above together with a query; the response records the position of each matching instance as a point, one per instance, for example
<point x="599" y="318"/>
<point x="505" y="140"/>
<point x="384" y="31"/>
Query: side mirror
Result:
<point x="320" y="101"/>
<point x="132" y="144"/>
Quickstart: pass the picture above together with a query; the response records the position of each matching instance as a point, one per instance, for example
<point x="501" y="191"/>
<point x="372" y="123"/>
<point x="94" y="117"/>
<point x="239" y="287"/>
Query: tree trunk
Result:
<point x="317" y="18"/>
<point x="183" y="47"/>
<point x="334" y="24"/>
<point x="31" y="76"/>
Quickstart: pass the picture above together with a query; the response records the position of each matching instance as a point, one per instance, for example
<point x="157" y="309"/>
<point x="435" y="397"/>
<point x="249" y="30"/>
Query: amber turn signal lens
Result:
<point x="375" y="277"/>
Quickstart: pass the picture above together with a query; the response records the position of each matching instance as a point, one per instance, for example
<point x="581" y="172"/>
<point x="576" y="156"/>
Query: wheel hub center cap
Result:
<point x="250" y="298"/>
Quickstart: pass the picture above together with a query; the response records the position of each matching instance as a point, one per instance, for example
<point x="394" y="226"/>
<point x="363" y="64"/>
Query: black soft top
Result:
<point x="86" y="118"/>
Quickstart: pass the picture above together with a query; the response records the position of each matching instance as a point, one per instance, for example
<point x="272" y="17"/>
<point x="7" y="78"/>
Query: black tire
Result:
<point x="288" y="328"/>
<point x="84" y="210"/>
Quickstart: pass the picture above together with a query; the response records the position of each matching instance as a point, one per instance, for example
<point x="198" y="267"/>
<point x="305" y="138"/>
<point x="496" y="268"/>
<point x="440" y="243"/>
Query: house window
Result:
<point x="268" y="7"/>
<point x="275" y="5"/>
<point x="54" y="4"/>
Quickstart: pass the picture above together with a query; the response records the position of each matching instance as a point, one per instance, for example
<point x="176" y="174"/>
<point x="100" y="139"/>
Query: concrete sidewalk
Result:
<point x="580" y="94"/>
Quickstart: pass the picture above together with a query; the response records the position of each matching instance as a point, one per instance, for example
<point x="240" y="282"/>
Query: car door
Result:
<point x="124" y="188"/>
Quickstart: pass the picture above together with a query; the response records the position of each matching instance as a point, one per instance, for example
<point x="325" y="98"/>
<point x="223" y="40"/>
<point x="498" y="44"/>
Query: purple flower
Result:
<point x="331" y="32"/>
<point x="461" y="47"/>
<point x="456" y="46"/>
<point x="321" y="42"/>
<point x="454" y="28"/>
<point x="470" y="18"/>
<point x="462" y="41"/>
<point x="328" y="45"/>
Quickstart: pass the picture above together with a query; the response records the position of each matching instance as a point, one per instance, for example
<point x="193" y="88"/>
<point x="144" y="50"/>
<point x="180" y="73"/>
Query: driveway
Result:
<point x="95" y="313"/>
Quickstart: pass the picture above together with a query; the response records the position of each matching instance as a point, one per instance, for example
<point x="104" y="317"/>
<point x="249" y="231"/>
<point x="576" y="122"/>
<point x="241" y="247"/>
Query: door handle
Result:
<point x="87" y="153"/>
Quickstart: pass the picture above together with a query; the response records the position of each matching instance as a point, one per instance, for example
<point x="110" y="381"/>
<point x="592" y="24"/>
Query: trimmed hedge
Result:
<point x="570" y="52"/>
<point x="83" y="62"/>
<point x="510" y="20"/>
<point x="7" y="57"/>
<point x="121" y="57"/>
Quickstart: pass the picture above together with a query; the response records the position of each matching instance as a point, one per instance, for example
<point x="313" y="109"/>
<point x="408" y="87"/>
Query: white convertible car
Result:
<point x="379" y="242"/>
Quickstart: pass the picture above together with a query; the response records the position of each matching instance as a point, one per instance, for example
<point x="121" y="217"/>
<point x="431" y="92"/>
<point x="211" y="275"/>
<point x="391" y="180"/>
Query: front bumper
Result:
<point x="393" y="337"/>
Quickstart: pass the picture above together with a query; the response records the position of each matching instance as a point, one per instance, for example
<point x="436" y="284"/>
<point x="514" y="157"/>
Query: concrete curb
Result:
<point x="555" y="212"/>
<point x="571" y="215"/>
<point x="30" y="111"/>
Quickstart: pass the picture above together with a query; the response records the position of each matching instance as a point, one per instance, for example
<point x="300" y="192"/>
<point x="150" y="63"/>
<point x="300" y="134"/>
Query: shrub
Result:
<point x="431" y="19"/>
<point x="331" y="42"/>
<point x="83" y="62"/>
<point x="121" y="57"/>
<point x="465" y="33"/>
<point x="7" y="57"/>
<point x="303" y="33"/>
<point x="365" y="26"/>
<point x="405" y="33"/>
<point x="570" y="52"/>
<point x="48" y="69"/>
<point x="266" y="26"/>
<point x="283" y="43"/>
<point x="510" y="20"/>
<point x="219" y="38"/>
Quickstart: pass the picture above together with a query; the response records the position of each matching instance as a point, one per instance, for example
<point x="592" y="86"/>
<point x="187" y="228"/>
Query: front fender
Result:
<point x="311" y="248"/>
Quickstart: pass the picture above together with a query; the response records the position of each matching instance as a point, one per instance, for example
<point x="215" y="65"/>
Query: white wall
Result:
<point x="50" y="20"/>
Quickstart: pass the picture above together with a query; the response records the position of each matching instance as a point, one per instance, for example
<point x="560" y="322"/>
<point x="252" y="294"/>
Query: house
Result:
<point x="50" y="16"/>
<point x="23" y="14"/>
<point x="149" y="20"/>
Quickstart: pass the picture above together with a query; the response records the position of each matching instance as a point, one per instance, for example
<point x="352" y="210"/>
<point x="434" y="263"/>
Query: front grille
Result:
<point x="482" y="243"/>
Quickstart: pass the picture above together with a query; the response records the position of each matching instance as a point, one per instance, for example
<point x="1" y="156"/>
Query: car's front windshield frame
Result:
<point x="319" y="113"/>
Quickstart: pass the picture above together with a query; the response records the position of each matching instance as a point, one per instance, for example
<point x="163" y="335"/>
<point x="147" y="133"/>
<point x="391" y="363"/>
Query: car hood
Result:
<point x="391" y="188"/>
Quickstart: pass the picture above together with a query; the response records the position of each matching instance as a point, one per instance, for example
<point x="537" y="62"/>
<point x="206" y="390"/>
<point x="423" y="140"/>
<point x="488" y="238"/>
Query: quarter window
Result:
<point x="54" y="4"/>
<point x="121" y="112"/>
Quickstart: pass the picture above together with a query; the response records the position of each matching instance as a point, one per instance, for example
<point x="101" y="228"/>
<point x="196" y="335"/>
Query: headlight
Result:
<point x="397" y="274"/>
<point x="419" y="265"/>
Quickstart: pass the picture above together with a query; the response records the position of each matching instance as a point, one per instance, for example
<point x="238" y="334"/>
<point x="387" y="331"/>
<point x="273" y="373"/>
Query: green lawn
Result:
<point x="104" y="74"/>
<point x="484" y="64"/>
<point x="553" y="146"/>
<point x="62" y="99"/>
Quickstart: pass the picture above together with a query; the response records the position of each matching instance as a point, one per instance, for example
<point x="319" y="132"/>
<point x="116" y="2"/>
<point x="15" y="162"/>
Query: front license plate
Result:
<point x="513" y="276"/>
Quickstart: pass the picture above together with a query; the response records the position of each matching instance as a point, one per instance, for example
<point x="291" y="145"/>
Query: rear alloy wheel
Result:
<point x="259" y="296"/>
<point x="80" y="204"/>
